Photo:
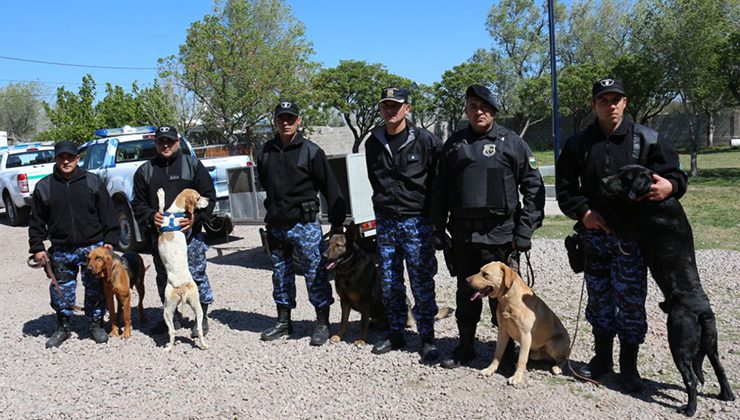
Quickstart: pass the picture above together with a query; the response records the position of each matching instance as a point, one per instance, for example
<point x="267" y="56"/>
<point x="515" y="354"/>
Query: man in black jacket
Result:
<point x="483" y="169"/>
<point x="402" y="162"/>
<point x="292" y="170"/>
<point x="615" y="271"/>
<point x="72" y="208"/>
<point x="173" y="171"/>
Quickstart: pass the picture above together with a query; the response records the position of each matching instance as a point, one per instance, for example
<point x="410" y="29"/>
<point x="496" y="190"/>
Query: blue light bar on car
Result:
<point x="126" y="129"/>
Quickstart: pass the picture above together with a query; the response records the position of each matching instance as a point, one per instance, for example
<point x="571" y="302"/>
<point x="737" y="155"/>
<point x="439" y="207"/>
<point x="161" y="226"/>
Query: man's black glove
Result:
<point x="441" y="241"/>
<point x="522" y="244"/>
<point x="336" y="229"/>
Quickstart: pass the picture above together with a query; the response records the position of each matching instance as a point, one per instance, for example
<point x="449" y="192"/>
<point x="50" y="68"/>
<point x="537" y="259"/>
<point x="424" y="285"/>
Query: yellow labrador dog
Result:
<point x="522" y="316"/>
<point x="173" y="249"/>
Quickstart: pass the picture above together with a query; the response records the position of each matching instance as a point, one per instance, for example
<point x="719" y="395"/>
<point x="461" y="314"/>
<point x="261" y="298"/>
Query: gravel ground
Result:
<point x="241" y="377"/>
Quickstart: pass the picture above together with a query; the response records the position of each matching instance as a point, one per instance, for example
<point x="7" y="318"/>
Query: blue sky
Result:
<point x="415" y="39"/>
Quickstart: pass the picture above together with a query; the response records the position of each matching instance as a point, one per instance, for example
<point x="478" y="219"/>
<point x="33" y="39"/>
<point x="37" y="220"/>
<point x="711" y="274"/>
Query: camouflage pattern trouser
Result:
<point x="67" y="261"/>
<point x="409" y="238"/>
<point x="196" y="263"/>
<point x="616" y="280"/>
<point x="303" y="242"/>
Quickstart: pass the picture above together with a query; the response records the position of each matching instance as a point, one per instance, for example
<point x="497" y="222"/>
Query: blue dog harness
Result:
<point x="170" y="226"/>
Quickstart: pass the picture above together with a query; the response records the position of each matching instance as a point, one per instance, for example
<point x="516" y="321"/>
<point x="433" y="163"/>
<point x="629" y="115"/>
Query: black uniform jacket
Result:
<point x="77" y="212"/>
<point x="402" y="182"/>
<point x="481" y="177"/>
<point x="289" y="184"/>
<point x="591" y="155"/>
<point x="167" y="174"/>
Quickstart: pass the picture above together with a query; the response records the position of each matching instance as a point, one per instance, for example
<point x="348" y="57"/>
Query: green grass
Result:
<point x="712" y="201"/>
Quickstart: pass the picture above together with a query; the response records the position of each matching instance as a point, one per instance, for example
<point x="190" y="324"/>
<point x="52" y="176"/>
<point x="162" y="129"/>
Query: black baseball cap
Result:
<point x="287" y="107"/>
<point x="607" y="85"/>
<point x="483" y="93"/>
<point x="395" y="94"/>
<point x="65" y="146"/>
<point x="165" y="132"/>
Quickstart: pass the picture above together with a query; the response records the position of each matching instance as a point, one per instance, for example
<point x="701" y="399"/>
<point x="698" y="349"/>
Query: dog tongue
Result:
<point x="476" y="295"/>
<point x="330" y="266"/>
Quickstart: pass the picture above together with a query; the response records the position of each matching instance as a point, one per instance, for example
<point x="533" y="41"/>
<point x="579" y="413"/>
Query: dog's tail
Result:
<point x="444" y="312"/>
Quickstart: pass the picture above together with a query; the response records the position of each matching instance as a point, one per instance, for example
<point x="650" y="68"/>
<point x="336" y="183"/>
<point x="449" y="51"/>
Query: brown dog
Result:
<point x="358" y="285"/>
<point x="522" y="316"/>
<point x="119" y="275"/>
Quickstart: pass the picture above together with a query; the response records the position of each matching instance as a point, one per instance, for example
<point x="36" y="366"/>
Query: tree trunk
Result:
<point x="711" y="125"/>
<point x="357" y="139"/>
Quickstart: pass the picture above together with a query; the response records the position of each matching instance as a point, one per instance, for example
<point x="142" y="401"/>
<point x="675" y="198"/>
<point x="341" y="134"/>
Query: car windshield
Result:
<point x="28" y="158"/>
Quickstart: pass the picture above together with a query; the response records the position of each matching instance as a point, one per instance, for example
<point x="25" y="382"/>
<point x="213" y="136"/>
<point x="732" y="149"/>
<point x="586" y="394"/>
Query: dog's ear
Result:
<point x="108" y="263"/>
<point x="508" y="275"/>
<point x="351" y="233"/>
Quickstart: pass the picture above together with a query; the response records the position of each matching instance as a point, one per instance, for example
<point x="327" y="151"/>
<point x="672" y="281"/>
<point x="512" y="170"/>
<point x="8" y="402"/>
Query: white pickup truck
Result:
<point x="117" y="154"/>
<point x="21" y="167"/>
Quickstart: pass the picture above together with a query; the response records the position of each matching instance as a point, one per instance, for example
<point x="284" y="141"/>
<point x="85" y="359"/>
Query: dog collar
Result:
<point x="169" y="224"/>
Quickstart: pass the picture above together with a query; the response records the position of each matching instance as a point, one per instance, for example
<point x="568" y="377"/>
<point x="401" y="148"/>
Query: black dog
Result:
<point x="665" y="237"/>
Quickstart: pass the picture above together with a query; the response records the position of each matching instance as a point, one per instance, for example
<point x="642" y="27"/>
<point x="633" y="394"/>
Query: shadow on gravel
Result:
<point x="239" y="256"/>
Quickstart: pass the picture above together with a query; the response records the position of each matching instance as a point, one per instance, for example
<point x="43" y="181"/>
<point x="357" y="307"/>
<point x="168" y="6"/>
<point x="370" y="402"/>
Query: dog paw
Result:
<point x="127" y="334"/>
<point x="335" y="339"/>
<point x="360" y="343"/>
<point x="515" y="380"/>
<point x="167" y="347"/>
<point x="488" y="371"/>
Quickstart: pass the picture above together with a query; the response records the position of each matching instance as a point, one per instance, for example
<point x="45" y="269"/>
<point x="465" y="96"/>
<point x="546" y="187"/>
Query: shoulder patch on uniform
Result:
<point x="532" y="162"/>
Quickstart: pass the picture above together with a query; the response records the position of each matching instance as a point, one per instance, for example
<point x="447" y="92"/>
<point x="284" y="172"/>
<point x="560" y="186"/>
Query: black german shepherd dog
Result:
<point x="665" y="237"/>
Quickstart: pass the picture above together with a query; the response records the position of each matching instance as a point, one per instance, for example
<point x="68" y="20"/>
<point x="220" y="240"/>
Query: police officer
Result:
<point x="482" y="170"/>
<point x="173" y="171"/>
<point x="292" y="170"/>
<point x="72" y="208"/>
<point x="615" y="271"/>
<point x="402" y="162"/>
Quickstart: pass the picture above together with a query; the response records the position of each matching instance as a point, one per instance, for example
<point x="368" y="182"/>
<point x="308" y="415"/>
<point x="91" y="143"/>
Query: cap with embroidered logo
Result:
<point x="607" y="85"/>
<point x="287" y="107"/>
<point x="165" y="132"/>
<point x="395" y="94"/>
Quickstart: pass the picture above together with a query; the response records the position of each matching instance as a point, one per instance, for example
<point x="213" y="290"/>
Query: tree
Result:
<point x="20" y="110"/>
<point x="450" y="90"/>
<point x="119" y="108"/>
<point x="73" y="116"/>
<point x="688" y="37"/>
<point x="241" y="60"/>
<point x="353" y="89"/>
<point x="167" y="103"/>
<point x="574" y="90"/>
<point x="423" y="106"/>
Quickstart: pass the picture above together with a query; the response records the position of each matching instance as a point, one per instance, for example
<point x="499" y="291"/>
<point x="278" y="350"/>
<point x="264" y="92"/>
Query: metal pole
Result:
<point x="554" y="78"/>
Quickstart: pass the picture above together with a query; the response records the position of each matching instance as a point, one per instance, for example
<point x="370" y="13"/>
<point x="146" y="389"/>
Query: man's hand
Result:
<point x="659" y="191"/>
<point x="521" y="243"/>
<point x="158" y="219"/>
<point x="186" y="223"/>
<point x="41" y="257"/>
<point x="441" y="241"/>
<point x="593" y="220"/>
<point x="109" y="247"/>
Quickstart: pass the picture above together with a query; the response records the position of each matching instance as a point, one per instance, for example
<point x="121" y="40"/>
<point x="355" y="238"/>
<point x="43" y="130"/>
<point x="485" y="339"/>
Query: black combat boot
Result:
<point x="61" y="334"/>
<point x="97" y="332"/>
<point x="394" y="341"/>
<point x="282" y="327"/>
<point x="602" y="363"/>
<point x="464" y="353"/>
<point x="429" y="352"/>
<point x="321" y="333"/>
<point x="629" y="377"/>
<point x="194" y="330"/>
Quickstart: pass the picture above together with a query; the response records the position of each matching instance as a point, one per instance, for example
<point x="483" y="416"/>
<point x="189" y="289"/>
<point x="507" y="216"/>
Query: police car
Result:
<point x="21" y="167"/>
<point x="117" y="154"/>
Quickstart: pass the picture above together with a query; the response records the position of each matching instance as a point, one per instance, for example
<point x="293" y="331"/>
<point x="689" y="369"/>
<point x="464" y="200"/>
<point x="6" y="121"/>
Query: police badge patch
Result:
<point x="532" y="162"/>
<point x="489" y="150"/>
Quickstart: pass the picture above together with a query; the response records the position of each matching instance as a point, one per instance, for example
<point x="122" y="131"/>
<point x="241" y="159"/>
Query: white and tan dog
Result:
<point x="522" y="316"/>
<point x="173" y="250"/>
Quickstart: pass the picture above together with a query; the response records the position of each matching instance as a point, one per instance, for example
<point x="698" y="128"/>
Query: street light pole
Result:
<point x="554" y="78"/>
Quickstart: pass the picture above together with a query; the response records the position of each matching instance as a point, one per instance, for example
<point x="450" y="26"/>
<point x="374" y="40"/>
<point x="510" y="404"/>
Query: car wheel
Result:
<point x="219" y="226"/>
<point x="16" y="216"/>
<point x="127" y="241"/>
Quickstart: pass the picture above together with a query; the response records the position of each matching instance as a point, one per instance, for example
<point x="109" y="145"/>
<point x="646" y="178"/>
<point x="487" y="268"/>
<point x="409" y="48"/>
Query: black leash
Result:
<point x="513" y="262"/>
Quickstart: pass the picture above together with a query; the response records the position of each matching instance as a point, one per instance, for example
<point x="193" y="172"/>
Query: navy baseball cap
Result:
<point x="483" y="93"/>
<point x="607" y="85"/>
<point x="165" y="132"/>
<point x="287" y="107"/>
<point x="395" y="94"/>
<point x="65" y="146"/>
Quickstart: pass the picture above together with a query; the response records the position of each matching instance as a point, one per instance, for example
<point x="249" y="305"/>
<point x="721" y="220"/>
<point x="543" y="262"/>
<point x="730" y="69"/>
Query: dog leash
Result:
<point x="575" y="335"/>
<point x="50" y="274"/>
<point x="513" y="263"/>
